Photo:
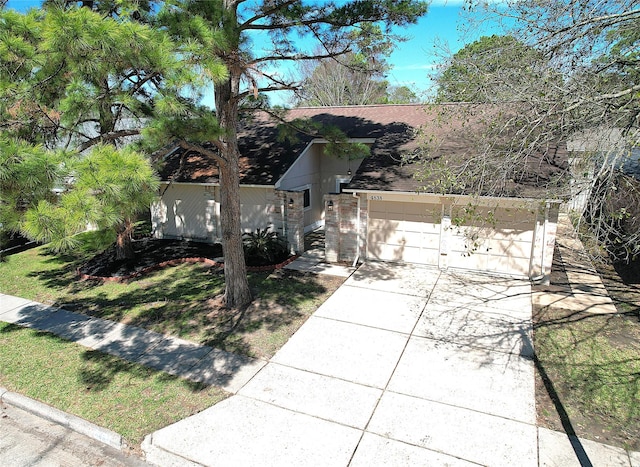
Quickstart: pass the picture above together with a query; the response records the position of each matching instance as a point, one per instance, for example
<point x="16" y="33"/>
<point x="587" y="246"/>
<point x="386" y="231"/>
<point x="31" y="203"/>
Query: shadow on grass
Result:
<point x="589" y="365"/>
<point x="97" y="371"/>
<point x="101" y="369"/>
<point x="181" y="301"/>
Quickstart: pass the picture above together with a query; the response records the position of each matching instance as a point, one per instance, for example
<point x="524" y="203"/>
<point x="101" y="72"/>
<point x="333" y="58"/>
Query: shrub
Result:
<point x="264" y="247"/>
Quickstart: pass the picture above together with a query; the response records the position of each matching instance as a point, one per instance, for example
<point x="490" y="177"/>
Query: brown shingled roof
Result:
<point x="398" y="131"/>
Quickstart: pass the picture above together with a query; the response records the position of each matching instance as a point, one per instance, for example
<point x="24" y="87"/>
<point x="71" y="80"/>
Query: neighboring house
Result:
<point x="593" y="154"/>
<point x="371" y="208"/>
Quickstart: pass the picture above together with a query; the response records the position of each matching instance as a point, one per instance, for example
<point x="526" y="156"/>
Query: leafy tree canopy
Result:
<point x="110" y="188"/>
<point x="64" y="70"/>
<point x="401" y="95"/>
<point x="488" y="70"/>
<point x="257" y="39"/>
<point x="73" y="78"/>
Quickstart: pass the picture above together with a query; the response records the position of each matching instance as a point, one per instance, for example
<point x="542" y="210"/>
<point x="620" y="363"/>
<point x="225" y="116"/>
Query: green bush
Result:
<point x="264" y="247"/>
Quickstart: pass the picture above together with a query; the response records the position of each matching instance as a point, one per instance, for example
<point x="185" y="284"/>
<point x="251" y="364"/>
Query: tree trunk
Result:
<point x="124" y="239"/>
<point x="237" y="291"/>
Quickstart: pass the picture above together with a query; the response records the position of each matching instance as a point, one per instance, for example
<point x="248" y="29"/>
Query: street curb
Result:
<point x="77" y="424"/>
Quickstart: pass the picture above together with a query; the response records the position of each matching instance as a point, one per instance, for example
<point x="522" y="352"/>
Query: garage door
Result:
<point x="408" y="232"/>
<point x="489" y="240"/>
<point x="494" y="240"/>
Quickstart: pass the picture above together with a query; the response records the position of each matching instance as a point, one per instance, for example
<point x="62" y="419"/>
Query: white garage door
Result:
<point x="408" y="232"/>
<point x="489" y="240"/>
<point x="496" y="240"/>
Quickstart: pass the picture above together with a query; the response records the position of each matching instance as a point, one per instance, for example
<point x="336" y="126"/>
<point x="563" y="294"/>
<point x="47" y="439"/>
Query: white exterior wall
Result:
<point x="259" y="209"/>
<point x="192" y="211"/>
<point x="186" y="211"/>
<point x="306" y="171"/>
<point x="319" y="171"/>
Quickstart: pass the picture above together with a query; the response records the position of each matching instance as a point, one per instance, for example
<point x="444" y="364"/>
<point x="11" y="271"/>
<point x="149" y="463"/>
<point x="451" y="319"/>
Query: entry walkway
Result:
<point x="313" y="259"/>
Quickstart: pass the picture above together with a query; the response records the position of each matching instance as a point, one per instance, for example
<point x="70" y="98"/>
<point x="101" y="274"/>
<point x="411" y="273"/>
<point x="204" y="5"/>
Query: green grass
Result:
<point x="124" y="397"/>
<point x="594" y="364"/>
<point x="176" y="300"/>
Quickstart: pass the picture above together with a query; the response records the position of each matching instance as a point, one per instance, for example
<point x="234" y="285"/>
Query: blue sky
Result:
<point x="414" y="61"/>
<point x="443" y="27"/>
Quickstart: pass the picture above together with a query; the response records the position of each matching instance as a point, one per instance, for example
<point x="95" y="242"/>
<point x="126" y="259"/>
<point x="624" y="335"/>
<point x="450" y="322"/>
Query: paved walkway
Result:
<point x="402" y="365"/>
<point x="169" y="354"/>
<point x="583" y="289"/>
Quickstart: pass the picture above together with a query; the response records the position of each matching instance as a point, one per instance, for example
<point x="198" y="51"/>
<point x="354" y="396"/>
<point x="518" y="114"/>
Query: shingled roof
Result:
<point x="398" y="132"/>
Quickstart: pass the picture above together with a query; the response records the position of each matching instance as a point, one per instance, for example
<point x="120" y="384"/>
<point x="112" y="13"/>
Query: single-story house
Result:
<point x="372" y="208"/>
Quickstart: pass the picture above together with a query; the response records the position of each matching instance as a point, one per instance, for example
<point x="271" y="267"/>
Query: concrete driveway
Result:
<point x="403" y="365"/>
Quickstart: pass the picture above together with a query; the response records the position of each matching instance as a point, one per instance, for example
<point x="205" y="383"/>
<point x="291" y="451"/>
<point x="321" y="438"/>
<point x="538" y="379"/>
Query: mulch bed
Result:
<point x="153" y="254"/>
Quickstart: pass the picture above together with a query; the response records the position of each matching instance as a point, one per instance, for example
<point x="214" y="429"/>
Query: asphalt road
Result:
<point x="28" y="440"/>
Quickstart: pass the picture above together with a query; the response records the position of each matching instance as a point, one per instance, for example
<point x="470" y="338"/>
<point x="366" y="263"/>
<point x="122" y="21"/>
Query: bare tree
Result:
<point x="584" y="85"/>
<point x="345" y="80"/>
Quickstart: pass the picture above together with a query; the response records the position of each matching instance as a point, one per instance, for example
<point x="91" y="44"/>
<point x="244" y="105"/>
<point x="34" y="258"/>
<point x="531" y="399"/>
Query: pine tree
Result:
<point x="251" y="39"/>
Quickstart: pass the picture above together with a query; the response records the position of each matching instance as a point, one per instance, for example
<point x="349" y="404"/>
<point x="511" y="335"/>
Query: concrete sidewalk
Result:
<point x="172" y="355"/>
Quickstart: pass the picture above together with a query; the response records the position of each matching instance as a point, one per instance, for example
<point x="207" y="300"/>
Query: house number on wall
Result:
<point x="376" y="197"/>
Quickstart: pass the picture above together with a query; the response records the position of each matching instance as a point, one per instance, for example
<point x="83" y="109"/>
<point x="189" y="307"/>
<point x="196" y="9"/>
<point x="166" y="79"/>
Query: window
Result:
<point x="306" y="195"/>
<point x="307" y="198"/>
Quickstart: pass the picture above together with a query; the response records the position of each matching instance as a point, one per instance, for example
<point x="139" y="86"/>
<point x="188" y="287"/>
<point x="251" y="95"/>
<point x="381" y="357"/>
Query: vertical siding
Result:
<point x="185" y="211"/>
<point x="256" y="207"/>
<point x="193" y="212"/>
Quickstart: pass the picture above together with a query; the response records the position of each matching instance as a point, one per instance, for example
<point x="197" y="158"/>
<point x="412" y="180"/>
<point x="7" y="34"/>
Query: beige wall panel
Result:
<point x="515" y="234"/>
<point x="387" y="252"/>
<point x="184" y="212"/>
<point x="254" y="208"/>
<point x="420" y="256"/>
<point x="400" y="231"/>
<point x="475" y="261"/>
<point x="510" y="265"/>
<point x="411" y="232"/>
<point x="512" y="248"/>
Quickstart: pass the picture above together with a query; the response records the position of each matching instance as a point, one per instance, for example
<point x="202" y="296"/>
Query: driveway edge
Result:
<point x="73" y="422"/>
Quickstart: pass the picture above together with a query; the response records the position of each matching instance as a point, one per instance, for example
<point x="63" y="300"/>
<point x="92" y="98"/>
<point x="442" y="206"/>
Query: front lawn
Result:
<point x="121" y="396"/>
<point x="588" y="378"/>
<point x="182" y="301"/>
